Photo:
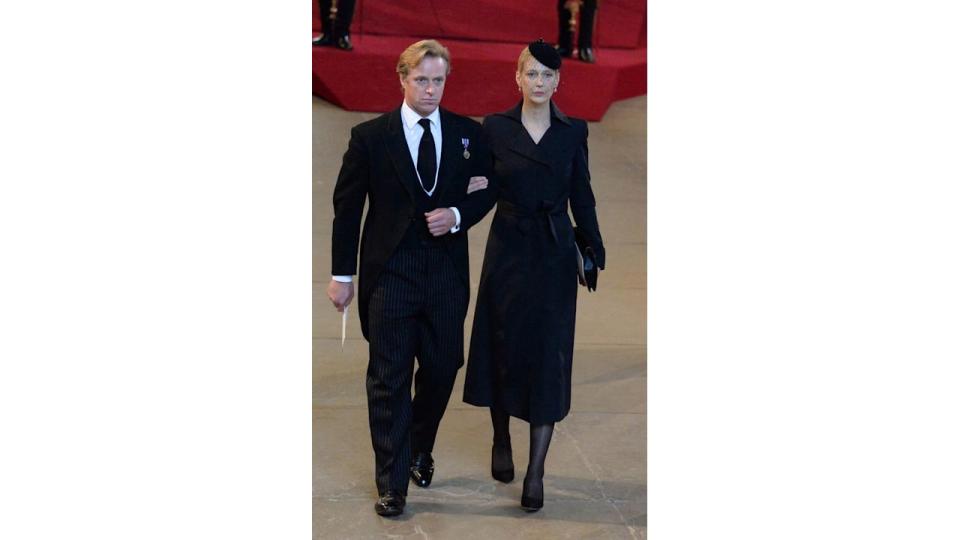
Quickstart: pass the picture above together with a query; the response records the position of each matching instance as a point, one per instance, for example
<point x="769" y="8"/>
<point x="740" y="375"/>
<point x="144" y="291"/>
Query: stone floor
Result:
<point x="596" y="480"/>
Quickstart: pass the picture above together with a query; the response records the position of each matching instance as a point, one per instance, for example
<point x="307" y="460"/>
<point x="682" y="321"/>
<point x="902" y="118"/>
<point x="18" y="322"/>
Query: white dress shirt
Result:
<point x="413" y="132"/>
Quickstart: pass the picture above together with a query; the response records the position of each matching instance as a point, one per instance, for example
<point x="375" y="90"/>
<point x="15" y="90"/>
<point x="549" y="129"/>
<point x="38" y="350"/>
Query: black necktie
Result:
<point x="427" y="158"/>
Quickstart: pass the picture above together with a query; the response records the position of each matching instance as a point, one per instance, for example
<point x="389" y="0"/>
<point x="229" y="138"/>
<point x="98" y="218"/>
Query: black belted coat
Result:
<point x="521" y="347"/>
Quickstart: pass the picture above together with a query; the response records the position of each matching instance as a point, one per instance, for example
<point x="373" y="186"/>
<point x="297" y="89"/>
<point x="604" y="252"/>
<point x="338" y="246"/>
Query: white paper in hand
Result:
<point x="343" y="327"/>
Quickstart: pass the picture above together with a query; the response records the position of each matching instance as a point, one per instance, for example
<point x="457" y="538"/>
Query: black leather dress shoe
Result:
<point x="421" y="470"/>
<point x="564" y="51"/>
<point x="501" y="463"/>
<point x="344" y="43"/>
<point x="586" y="55"/>
<point x="391" y="503"/>
<point x="532" y="498"/>
<point x="322" y="40"/>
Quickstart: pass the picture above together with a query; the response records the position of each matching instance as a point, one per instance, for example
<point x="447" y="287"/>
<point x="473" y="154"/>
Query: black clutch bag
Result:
<point x="587" y="270"/>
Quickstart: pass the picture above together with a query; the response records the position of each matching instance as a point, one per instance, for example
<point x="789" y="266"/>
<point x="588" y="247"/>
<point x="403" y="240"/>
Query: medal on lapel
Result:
<point x="466" y="145"/>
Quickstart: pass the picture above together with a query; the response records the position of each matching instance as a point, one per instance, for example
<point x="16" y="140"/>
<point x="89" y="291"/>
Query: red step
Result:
<point x="481" y="81"/>
<point x="620" y="23"/>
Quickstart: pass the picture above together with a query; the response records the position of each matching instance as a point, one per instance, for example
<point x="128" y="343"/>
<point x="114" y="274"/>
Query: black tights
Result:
<point x="540" y="436"/>
<point x="501" y="426"/>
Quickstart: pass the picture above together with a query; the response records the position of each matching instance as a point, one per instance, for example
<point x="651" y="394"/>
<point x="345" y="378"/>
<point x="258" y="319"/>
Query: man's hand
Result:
<point x="476" y="184"/>
<point x="440" y="221"/>
<point x="340" y="294"/>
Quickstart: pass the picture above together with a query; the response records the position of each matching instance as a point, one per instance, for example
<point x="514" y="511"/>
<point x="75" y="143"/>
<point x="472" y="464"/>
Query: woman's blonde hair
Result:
<point x="414" y="54"/>
<point x="525" y="55"/>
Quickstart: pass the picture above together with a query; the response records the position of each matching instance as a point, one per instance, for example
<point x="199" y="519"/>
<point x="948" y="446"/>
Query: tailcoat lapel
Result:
<point x="399" y="153"/>
<point x="450" y="156"/>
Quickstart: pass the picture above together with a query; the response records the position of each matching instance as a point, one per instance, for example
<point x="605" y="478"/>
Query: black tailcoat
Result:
<point x="377" y="167"/>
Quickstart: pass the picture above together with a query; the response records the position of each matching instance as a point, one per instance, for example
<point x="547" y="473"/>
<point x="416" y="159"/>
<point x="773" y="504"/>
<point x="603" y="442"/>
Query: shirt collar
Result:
<point x="411" y="117"/>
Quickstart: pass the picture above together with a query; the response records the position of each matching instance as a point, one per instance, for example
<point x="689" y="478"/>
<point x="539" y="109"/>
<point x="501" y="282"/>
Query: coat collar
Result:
<point x="555" y="112"/>
<point x="521" y="142"/>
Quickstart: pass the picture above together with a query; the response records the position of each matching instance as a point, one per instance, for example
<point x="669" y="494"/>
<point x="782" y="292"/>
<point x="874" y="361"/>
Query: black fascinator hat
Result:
<point x="545" y="54"/>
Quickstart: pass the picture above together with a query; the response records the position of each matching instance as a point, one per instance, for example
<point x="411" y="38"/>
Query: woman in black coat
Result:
<point x="521" y="348"/>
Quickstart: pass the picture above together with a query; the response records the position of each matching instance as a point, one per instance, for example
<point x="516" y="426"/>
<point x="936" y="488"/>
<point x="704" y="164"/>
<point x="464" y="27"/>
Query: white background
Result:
<point x="155" y="289"/>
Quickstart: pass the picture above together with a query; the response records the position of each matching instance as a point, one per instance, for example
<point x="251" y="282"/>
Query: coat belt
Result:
<point x="547" y="210"/>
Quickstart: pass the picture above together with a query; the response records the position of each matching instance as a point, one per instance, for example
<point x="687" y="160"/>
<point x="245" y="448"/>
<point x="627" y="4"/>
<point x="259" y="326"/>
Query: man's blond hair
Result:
<point x="415" y="54"/>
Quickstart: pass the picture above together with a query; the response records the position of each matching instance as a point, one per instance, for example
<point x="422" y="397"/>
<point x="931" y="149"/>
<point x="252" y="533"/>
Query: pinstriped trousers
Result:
<point x="416" y="311"/>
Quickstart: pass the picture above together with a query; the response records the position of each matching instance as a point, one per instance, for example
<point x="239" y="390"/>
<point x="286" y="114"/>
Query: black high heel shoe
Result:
<point x="532" y="498"/>
<point x="501" y="463"/>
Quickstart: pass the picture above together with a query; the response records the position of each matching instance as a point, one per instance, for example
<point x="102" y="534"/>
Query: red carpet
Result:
<point x="482" y="79"/>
